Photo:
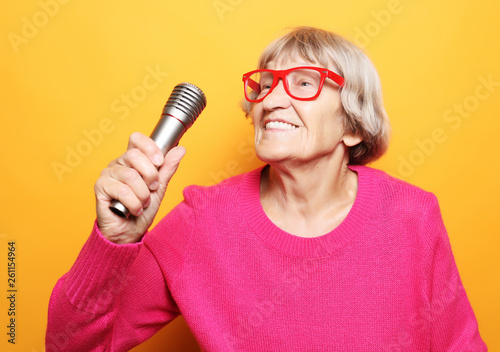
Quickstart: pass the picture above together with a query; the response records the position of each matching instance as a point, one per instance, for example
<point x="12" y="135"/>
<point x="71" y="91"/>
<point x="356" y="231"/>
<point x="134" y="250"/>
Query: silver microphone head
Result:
<point x="188" y="98"/>
<point x="185" y="104"/>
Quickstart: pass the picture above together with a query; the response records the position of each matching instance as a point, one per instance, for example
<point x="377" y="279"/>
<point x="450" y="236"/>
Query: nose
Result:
<point x="277" y="98"/>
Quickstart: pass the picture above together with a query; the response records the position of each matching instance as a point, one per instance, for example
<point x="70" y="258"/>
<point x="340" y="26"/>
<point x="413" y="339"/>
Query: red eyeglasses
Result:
<point x="301" y="83"/>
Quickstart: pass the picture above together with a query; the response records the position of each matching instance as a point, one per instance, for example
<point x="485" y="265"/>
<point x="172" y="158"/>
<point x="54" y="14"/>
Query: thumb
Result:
<point x="170" y="164"/>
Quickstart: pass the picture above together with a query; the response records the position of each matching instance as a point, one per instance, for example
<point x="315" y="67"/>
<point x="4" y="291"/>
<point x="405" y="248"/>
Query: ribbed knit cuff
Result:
<point x="99" y="273"/>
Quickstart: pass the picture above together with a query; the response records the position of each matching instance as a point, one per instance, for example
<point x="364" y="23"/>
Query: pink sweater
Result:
<point x="384" y="280"/>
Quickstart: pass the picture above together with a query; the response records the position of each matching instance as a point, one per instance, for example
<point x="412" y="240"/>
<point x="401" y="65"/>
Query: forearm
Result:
<point x="83" y="304"/>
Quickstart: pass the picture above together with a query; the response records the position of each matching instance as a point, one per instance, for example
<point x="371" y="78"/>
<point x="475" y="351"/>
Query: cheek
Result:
<point x="329" y="126"/>
<point x="256" y="115"/>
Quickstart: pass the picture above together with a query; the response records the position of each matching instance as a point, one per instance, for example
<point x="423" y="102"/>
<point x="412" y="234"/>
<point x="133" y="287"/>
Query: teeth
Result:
<point x="280" y="125"/>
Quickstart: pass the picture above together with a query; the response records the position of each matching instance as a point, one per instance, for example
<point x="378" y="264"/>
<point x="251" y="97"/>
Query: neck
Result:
<point x="313" y="191"/>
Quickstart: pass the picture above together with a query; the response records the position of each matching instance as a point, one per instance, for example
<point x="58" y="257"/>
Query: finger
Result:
<point x="114" y="189"/>
<point x="147" y="146"/>
<point x="137" y="160"/>
<point x="130" y="178"/>
<point x="171" y="163"/>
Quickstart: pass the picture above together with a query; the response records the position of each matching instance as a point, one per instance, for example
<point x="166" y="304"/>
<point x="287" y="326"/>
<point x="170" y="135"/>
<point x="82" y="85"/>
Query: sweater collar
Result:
<point x="315" y="247"/>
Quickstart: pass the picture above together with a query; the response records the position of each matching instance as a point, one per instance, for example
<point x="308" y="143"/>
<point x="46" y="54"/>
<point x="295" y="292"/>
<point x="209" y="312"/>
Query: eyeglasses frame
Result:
<point x="281" y="74"/>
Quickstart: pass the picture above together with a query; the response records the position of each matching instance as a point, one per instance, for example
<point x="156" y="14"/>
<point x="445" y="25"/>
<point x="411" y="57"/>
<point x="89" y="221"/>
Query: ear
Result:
<point x="350" y="139"/>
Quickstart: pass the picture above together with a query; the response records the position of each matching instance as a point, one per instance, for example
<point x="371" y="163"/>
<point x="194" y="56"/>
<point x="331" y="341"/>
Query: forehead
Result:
<point x="293" y="57"/>
<point x="286" y="63"/>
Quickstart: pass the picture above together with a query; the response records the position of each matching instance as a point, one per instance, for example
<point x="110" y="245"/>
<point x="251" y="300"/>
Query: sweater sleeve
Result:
<point x="452" y="321"/>
<point x="113" y="298"/>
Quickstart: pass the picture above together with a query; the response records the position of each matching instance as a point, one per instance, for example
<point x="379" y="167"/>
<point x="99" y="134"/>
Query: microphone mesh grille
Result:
<point x="188" y="98"/>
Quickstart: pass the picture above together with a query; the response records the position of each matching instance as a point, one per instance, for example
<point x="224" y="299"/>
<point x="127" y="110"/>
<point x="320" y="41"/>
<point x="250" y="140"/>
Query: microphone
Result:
<point x="185" y="104"/>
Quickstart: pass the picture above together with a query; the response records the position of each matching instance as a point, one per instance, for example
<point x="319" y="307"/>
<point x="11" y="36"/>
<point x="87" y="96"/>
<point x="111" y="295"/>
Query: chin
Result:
<point x="271" y="157"/>
<point x="276" y="158"/>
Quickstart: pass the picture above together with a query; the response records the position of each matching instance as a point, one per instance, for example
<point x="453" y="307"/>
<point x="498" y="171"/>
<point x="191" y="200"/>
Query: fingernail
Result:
<point x="157" y="159"/>
<point x="154" y="186"/>
<point x="181" y="153"/>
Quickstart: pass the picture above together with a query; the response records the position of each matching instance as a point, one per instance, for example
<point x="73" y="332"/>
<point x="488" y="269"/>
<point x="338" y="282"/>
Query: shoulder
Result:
<point x="395" y="191"/>
<point x="402" y="202"/>
<point x="221" y="194"/>
<point x="406" y="211"/>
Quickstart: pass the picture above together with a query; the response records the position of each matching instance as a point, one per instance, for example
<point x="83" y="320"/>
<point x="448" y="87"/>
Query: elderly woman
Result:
<point x="312" y="252"/>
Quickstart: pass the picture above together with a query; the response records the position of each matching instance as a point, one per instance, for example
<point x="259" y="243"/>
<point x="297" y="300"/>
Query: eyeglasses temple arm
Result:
<point x="336" y="78"/>
<point x="254" y="85"/>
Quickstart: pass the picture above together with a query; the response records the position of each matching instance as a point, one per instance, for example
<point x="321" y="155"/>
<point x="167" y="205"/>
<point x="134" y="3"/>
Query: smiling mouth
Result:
<point x="278" y="125"/>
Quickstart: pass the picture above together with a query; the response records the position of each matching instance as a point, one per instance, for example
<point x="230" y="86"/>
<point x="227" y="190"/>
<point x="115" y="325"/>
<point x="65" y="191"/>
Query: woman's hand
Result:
<point x="138" y="179"/>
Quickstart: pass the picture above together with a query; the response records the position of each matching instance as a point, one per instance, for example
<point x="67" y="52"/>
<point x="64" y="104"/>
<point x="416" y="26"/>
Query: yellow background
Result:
<point x="66" y="71"/>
